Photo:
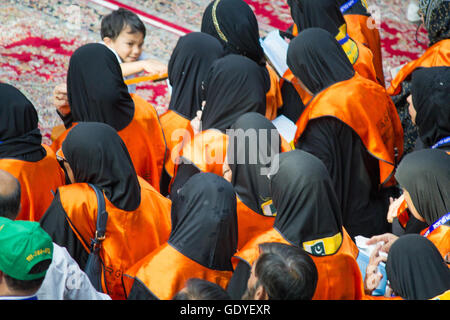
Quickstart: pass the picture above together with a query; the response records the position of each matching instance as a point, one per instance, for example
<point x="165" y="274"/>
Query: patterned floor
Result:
<point x="37" y="38"/>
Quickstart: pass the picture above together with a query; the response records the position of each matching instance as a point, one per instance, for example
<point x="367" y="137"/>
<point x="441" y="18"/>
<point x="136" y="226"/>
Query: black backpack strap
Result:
<point x="102" y="218"/>
<point x="94" y="264"/>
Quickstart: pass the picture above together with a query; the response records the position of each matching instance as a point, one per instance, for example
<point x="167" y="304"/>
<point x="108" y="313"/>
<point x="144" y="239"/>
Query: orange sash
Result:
<point x="144" y="140"/>
<point x="438" y="55"/>
<point x="441" y="239"/>
<point x="339" y="274"/>
<point x="207" y="150"/>
<point x="165" y="272"/>
<point x="130" y="235"/>
<point x="274" y="100"/>
<point x="37" y="181"/>
<point x="177" y="131"/>
<point x="403" y="214"/>
<point x="250" y="223"/>
<point x="365" y="107"/>
<point x="358" y="29"/>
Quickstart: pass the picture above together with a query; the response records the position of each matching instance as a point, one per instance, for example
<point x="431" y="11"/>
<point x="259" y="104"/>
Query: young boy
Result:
<point x="123" y="32"/>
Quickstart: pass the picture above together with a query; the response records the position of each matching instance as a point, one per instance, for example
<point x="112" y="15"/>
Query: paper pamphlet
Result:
<point x="285" y="127"/>
<point x="394" y="71"/>
<point x="169" y="87"/>
<point x="275" y="49"/>
<point x="363" y="260"/>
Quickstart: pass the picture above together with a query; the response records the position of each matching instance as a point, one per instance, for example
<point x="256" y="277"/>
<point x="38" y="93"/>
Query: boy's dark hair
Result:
<point x="28" y="285"/>
<point x="286" y="272"/>
<point x="199" y="289"/>
<point x="10" y="202"/>
<point x="113" y="23"/>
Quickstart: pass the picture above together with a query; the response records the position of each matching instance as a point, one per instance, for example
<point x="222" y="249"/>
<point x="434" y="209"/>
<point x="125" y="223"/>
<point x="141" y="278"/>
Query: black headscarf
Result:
<point x="187" y="69"/>
<point x="359" y="7"/>
<point x="324" y="14"/>
<point x="235" y="85"/>
<point x="415" y="268"/>
<point x="436" y="15"/>
<point x="303" y="194"/>
<point x="95" y="87"/>
<point x="430" y="89"/>
<point x="317" y="59"/>
<point x="425" y="174"/>
<point x="204" y="221"/>
<point x="234" y="24"/>
<point x="20" y="137"/>
<point x="251" y="148"/>
<point x="97" y="155"/>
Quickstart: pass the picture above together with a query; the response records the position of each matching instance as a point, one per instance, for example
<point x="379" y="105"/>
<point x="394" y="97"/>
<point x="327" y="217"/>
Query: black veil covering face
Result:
<point x="95" y="88"/>
<point x="425" y="174"/>
<point x="415" y="268"/>
<point x="318" y="60"/>
<point x="251" y="149"/>
<point x="234" y="24"/>
<point x="204" y="221"/>
<point x="20" y="137"/>
<point x="188" y="68"/>
<point x="97" y="155"/>
<point x="235" y="85"/>
<point x="430" y="90"/>
<point x="303" y="194"/>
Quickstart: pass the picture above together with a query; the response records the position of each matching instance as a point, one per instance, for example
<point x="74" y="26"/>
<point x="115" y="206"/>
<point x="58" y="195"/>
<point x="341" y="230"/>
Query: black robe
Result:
<point x="318" y="60"/>
<point x="103" y="162"/>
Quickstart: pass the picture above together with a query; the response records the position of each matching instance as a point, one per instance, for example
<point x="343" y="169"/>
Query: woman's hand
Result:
<point x="373" y="276"/>
<point x="393" y="207"/>
<point x="387" y="238"/>
<point x="60" y="100"/>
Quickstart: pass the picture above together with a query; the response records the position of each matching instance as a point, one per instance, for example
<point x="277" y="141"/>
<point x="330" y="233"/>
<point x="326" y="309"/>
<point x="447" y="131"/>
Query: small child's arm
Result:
<point x="150" y="66"/>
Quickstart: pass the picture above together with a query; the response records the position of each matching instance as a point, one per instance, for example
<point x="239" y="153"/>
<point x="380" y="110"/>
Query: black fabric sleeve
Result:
<point x="67" y="119"/>
<point x="293" y="105"/>
<point x="238" y="282"/>
<point x="139" y="291"/>
<point x="56" y="223"/>
<point x="354" y="172"/>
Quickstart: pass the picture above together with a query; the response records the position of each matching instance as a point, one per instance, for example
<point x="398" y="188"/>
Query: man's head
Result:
<point x="200" y="289"/>
<point x="10" y="193"/>
<point x="26" y="252"/>
<point x="282" y="272"/>
<point x="124" y="32"/>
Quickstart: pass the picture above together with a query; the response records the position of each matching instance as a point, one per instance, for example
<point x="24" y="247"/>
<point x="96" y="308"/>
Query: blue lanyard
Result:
<point x="443" y="220"/>
<point x="441" y="142"/>
<point x="348" y="5"/>
<point x="344" y="40"/>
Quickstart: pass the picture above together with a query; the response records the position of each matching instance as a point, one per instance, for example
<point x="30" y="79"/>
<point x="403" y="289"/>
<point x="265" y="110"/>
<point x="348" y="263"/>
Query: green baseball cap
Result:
<point x="23" y="244"/>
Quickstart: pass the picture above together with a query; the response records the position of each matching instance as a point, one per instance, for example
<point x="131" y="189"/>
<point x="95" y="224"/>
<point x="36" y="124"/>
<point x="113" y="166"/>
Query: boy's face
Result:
<point x="127" y="45"/>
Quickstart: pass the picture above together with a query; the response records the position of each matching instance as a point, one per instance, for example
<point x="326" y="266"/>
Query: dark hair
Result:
<point x="116" y="21"/>
<point x="286" y="272"/>
<point x="199" y="289"/>
<point x="28" y="285"/>
<point x="10" y="202"/>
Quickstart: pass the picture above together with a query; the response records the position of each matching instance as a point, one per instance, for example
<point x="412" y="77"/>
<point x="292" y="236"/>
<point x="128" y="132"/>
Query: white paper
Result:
<point x="394" y="71"/>
<point x="361" y="243"/>
<point x="285" y="127"/>
<point x="275" y="49"/>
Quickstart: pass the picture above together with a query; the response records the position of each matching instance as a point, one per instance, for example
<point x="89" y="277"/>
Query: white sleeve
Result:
<point x="66" y="281"/>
